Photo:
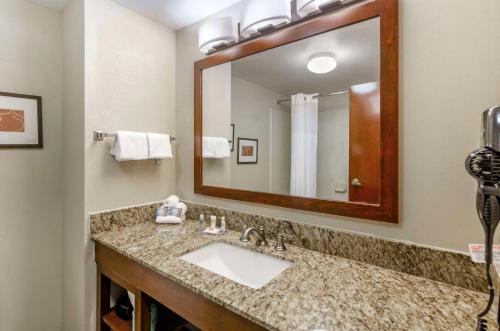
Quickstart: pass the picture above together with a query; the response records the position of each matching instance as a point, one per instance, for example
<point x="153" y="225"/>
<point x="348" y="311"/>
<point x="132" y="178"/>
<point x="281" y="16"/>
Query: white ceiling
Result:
<point x="176" y="14"/>
<point x="284" y="69"/>
<point x="53" y="4"/>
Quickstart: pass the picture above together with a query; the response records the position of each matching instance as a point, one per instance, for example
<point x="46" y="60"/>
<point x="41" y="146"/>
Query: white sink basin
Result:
<point x="241" y="265"/>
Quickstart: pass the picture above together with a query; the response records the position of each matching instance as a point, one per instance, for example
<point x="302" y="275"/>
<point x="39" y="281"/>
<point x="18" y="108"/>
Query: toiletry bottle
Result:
<point x="201" y="223"/>
<point x="223" y="224"/>
<point x="213" y="222"/>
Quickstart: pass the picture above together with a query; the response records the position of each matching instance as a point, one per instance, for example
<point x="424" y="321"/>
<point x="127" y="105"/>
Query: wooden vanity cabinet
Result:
<point x="148" y="285"/>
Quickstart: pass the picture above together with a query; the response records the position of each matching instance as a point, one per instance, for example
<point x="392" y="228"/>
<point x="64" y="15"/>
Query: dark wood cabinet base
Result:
<point x="147" y="284"/>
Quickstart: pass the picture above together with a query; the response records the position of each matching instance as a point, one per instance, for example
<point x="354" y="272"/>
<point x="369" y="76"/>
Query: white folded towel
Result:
<point x="216" y="148"/>
<point x="221" y="147"/>
<point x="171" y="201"/>
<point x="208" y="148"/>
<point x="182" y="205"/>
<point x="172" y="211"/>
<point x="168" y="220"/>
<point x="130" y="146"/>
<point x="159" y="146"/>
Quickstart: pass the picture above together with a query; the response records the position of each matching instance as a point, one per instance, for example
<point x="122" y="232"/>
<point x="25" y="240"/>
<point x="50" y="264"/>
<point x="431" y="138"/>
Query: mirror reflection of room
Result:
<point x="302" y="119"/>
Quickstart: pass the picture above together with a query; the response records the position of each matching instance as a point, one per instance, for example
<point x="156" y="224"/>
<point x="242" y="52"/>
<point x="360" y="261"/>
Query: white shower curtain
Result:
<point x="304" y="145"/>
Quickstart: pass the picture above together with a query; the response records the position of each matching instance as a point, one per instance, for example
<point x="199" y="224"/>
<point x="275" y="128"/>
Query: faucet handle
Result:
<point x="262" y="242"/>
<point x="280" y="243"/>
<point x="243" y="238"/>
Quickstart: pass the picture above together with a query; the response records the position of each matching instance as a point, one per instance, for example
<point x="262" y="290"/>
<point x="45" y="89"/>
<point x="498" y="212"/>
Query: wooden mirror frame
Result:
<point x="387" y="209"/>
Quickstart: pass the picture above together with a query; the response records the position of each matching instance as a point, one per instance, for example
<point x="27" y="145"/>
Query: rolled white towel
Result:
<point x="172" y="201"/>
<point x="183" y="206"/>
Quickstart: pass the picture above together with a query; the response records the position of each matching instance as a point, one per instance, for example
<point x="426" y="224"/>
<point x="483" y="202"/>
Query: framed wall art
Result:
<point x="20" y="121"/>
<point x="248" y="151"/>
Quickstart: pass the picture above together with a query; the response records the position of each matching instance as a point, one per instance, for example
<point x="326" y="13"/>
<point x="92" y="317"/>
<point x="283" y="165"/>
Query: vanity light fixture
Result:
<point x="321" y="63"/>
<point x="310" y="7"/>
<point x="216" y="34"/>
<point x="261" y="16"/>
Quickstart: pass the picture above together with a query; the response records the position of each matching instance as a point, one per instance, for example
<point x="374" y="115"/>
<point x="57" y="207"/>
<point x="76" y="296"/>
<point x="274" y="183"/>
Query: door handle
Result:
<point x="356" y="182"/>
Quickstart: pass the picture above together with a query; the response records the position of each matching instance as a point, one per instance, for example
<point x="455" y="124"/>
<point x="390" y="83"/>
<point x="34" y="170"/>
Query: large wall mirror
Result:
<point x="305" y="117"/>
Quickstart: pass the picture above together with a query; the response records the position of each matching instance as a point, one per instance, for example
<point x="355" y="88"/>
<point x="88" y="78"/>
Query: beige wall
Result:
<point x="129" y="81"/>
<point x="449" y="73"/>
<point x="333" y="147"/>
<point x="74" y="199"/>
<point x="280" y="150"/>
<point x="251" y="112"/>
<point x="229" y="99"/>
<point x="129" y="85"/>
<point x="31" y="192"/>
<point x="217" y="121"/>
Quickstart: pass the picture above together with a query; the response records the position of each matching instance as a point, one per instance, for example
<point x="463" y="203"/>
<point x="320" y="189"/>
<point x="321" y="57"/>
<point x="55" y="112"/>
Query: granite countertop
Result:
<point x="318" y="292"/>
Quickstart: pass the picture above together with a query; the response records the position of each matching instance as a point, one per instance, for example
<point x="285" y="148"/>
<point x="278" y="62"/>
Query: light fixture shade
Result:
<point x="322" y="63"/>
<point x="263" y="15"/>
<point x="216" y="32"/>
<point x="307" y="7"/>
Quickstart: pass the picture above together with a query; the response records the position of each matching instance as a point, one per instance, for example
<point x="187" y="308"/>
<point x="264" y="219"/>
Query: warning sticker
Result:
<point x="476" y="252"/>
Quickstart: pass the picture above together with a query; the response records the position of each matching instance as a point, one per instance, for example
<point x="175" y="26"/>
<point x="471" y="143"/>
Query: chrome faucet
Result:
<point x="259" y="233"/>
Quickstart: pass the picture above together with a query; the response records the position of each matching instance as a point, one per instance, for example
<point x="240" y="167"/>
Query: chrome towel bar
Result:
<point x="100" y="135"/>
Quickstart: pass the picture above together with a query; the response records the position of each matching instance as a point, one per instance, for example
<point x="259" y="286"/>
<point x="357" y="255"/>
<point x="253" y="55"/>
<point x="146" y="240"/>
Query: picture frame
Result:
<point x="233" y="127"/>
<point x="248" y="151"/>
<point x="21" y="123"/>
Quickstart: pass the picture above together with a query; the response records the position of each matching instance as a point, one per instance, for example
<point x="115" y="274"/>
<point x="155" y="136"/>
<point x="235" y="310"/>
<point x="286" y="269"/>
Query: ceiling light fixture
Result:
<point x="322" y="63"/>
<point x="216" y="34"/>
<point x="309" y="7"/>
<point x="261" y="16"/>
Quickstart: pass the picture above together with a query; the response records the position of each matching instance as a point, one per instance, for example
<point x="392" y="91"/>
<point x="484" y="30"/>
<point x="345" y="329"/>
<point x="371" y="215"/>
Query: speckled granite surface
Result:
<point x="447" y="267"/>
<point x="115" y="219"/>
<point x="318" y="291"/>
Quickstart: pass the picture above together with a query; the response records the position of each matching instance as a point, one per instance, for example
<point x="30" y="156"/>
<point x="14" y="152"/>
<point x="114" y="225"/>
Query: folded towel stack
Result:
<point x="173" y="211"/>
<point x="216" y="148"/>
<point x="130" y="146"/>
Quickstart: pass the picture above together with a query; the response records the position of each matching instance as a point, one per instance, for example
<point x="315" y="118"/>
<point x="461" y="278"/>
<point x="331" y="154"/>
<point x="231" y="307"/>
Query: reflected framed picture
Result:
<point x="20" y="121"/>
<point x="248" y="151"/>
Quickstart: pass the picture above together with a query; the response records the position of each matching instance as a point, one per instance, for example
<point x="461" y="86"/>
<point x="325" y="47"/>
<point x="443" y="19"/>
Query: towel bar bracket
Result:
<point x="100" y="135"/>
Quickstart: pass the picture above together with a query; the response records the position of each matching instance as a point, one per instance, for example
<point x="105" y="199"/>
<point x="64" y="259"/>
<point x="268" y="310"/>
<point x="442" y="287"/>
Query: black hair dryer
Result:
<point x="484" y="165"/>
